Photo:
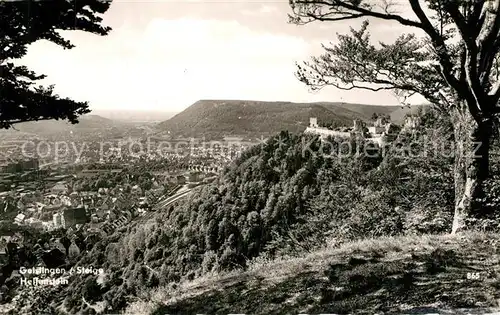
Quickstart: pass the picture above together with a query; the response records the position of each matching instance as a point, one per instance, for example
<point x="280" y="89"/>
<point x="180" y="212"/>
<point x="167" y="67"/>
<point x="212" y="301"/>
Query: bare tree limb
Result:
<point x="357" y="11"/>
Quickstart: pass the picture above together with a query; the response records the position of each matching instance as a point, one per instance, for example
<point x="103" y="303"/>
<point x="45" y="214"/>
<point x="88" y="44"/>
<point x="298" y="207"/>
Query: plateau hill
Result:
<point x="256" y="118"/>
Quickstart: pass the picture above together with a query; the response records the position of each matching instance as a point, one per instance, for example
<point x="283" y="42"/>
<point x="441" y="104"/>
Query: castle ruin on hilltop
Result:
<point x="381" y="132"/>
<point x="324" y="132"/>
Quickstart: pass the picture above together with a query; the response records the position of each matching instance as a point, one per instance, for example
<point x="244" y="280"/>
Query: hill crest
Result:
<point x="222" y="117"/>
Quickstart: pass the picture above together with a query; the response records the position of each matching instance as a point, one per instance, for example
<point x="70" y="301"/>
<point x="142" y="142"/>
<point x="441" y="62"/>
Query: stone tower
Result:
<point x="313" y="122"/>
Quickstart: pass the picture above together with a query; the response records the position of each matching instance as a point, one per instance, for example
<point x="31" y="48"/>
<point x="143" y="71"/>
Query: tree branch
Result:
<point x="353" y="86"/>
<point x="487" y="41"/>
<point x="465" y="31"/>
<point x="357" y="9"/>
<point x="342" y="18"/>
<point x="495" y="92"/>
<point x="474" y="18"/>
<point x="438" y="44"/>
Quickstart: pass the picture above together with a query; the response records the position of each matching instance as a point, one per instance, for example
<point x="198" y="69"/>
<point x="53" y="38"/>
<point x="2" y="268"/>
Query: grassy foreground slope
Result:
<point x="400" y="275"/>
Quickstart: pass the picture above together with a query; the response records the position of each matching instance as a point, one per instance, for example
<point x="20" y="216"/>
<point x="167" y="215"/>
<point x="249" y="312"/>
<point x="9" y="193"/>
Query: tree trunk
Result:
<point x="472" y="146"/>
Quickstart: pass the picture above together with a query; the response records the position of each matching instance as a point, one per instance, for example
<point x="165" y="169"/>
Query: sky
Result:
<point x="165" y="55"/>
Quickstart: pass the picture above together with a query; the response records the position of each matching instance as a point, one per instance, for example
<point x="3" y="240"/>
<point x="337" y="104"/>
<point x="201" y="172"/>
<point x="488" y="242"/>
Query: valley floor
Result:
<point x="402" y="275"/>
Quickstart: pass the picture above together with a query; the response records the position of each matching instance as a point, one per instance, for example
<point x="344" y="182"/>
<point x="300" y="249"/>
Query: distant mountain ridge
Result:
<point x="88" y="125"/>
<point x="84" y="122"/>
<point x="134" y="115"/>
<point x="247" y="117"/>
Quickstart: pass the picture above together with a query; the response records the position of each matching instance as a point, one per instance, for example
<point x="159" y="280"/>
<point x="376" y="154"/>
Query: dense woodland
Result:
<point x="279" y="200"/>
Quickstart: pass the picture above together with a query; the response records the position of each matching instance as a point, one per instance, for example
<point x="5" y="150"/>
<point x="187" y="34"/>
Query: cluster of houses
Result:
<point x="61" y="207"/>
<point x="20" y="166"/>
<point x="66" y="205"/>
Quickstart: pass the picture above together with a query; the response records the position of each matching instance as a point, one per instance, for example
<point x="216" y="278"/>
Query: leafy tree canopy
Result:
<point x="23" y="23"/>
<point x="455" y="66"/>
<point x="457" y="59"/>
